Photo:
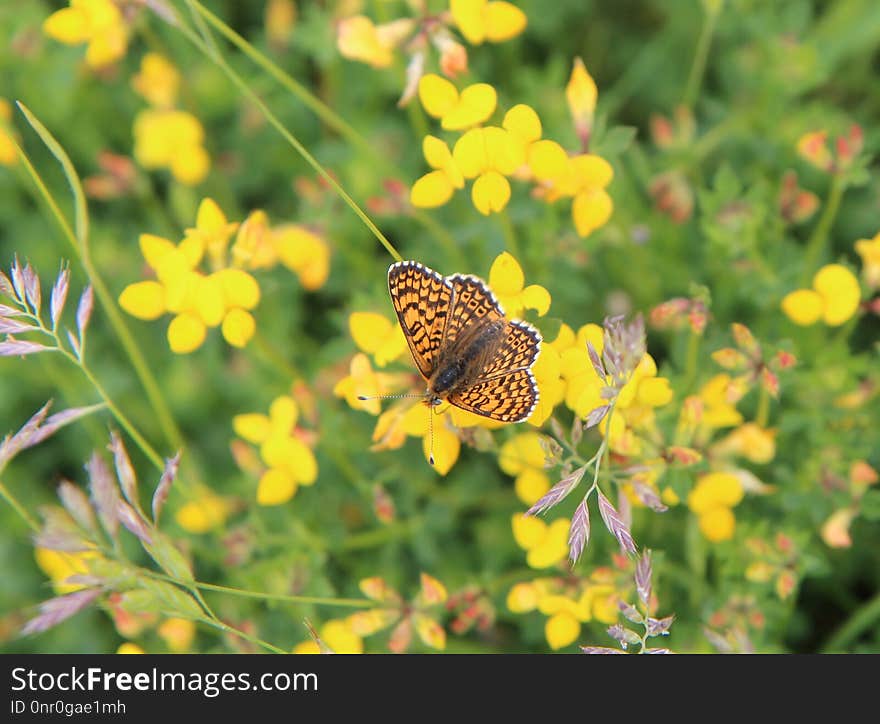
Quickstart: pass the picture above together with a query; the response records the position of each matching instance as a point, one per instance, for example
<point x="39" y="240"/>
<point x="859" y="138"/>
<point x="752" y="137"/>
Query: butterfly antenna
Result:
<point x="431" y="434"/>
<point x="387" y="397"/>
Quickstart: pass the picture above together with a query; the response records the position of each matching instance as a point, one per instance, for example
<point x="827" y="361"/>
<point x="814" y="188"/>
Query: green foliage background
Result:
<point x="774" y="71"/>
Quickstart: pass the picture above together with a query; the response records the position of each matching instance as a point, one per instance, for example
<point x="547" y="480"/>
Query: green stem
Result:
<point x="18" y="507"/>
<point x="698" y="67"/>
<point x="320" y="109"/>
<point x="245" y="90"/>
<point x="332" y="119"/>
<point x="127" y="425"/>
<point x="819" y="237"/>
<point x="691" y="359"/>
<point x="510" y="239"/>
<point x="763" y="414"/>
<point x="863" y="619"/>
<point x="305" y="600"/>
<point x="148" y="381"/>
<point x="226" y="628"/>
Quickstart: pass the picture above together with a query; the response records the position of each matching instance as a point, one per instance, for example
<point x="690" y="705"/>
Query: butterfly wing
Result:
<point x="473" y="305"/>
<point x="507" y="397"/>
<point x="422" y="299"/>
<point x="518" y="350"/>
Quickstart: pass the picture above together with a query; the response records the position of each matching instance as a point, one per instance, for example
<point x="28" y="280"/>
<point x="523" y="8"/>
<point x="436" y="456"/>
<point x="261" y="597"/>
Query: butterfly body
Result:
<point x="460" y="364"/>
<point x="465" y="348"/>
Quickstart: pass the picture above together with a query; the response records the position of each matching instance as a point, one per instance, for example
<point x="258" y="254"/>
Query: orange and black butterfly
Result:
<point x="469" y="353"/>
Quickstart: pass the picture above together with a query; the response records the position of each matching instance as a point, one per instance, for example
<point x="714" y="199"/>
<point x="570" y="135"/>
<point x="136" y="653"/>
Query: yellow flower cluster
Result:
<point x="567" y="604"/>
<point x="97" y="23"/>
<point x="582" y="389"/>
<point x="546" y="545"/>
<point x="834" y="298"/>
<point x="712" y="499"/>
<point x="377" y="336"/>
<point x="346" y="636"/>
<point x="289" y="461"/>
<point x="358" y="38"/>
<point x="226" y="296"/>
<point x="164" y="136"/>
<point x="489" y="154"/>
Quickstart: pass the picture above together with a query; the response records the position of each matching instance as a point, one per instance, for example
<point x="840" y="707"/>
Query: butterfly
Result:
<point x="467" y="351"/>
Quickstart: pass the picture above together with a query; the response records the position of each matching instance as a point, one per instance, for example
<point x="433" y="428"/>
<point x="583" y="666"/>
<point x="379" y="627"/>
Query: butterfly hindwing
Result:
<point x="507" y="397"/>
<point x="518" y="350"/>
<point x="422" y="300"/>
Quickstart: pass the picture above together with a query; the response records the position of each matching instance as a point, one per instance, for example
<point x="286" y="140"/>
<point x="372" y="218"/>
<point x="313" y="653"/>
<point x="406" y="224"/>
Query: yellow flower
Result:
<point x="487" y="155"/>
<point x="128" y="647"/>
<point x="719" y="397"/>
<point x="551" y="387"/>
<point x="523" y="457"/>
<point x="174" y="140"/>
<point x="457" y="111"/>
<point x="279" y="21"/>
<point x="712" y="499"/>
<point x="561" y="629"/>
<point x="835" y="530"/>
<point x="436" y="187"/>
<point x="834" y="298"/>
<point x="339" y="637"/>
<point x="582" y="384"/>
<point x="358" y="38"/>
<point x="378" y="336"/>
<point x="813" y="148"/>
<point x="8" y="154"/>
<point x="508" y="282"/>
<point x="581" y="94"/>
<point x="523" y="597"/>
<point x="546" y="545"/>
<point x="480" y="20"/>
<point x="158" y="81"/>
<point x="303" y="252"/>
<point x="61" y="565"/>
<point x="585" y="178"/>
<point x="196" y="300"/>
<point x="289" y="460"/>
<point x="177" y="633"/>
<point x="869" y="251"/>
<point x="99" y="23"/>
<point x="545" y="159"/>
<point x="362" y="381"/>
<point x="204" y="514"/>
<point x="751" y="441"/>
<point x="254" y="246"/>
<point x="444" y="440"/>
<point x="212" y="232"/>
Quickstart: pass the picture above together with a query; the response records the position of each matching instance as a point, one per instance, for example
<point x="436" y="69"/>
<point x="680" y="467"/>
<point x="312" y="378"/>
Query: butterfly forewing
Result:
<point x="422" y="300"/>
<point x="473" y="304"/>
<point x="508" y="397"/>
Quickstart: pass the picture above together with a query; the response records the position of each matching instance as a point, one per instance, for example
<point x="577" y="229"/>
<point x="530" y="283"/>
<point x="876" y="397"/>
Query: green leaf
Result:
<point x="616" y="141"/>
<point x="169" y="559"/>
<point x="79" y="198"/>
<point x="171" y="599"/>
